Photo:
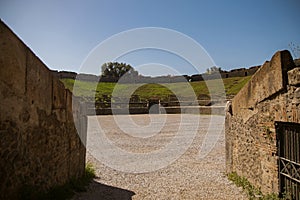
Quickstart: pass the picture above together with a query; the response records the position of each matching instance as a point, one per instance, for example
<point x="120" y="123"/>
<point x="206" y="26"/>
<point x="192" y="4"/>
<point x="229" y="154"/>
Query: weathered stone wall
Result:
<point x="273" y="94"/>
<point x="39" y="144"/>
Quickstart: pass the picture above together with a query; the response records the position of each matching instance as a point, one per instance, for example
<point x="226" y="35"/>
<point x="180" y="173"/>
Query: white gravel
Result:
<point x="187" y="178"/>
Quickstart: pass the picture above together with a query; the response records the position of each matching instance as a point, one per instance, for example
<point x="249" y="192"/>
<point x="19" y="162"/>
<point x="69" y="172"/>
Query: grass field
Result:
<point x="146" y="91"/>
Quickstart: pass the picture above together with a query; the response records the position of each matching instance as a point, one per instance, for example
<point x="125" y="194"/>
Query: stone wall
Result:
<point x="272" y="94"/>
<point x="40" y="147"/>
<point x="241" y="72"/>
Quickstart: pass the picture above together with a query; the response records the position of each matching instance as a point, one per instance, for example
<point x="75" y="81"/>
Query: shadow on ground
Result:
<point x="105" y="192"/>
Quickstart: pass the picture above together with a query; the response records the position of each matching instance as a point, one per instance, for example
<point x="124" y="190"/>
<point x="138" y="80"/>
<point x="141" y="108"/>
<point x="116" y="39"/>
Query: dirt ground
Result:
<point x="188" y="177"/>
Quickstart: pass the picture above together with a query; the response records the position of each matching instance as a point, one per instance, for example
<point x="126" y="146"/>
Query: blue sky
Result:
<point x="235" y="34"/>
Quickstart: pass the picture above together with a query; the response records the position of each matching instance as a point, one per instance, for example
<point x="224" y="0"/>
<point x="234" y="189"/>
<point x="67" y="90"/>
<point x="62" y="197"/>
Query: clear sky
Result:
<point x="240" y="33"/>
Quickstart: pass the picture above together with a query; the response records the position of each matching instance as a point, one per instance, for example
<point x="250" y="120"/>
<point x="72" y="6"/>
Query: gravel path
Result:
<point x="187" y="178"/>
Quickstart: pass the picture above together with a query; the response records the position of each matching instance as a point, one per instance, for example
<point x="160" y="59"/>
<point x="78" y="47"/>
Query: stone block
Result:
<point x="294" y="76"/>
<point x="59" y="94"/>
<point x="11" y="106"/>
<point x="76" y="112"/>
<point x="69" y="104"/>
<point x="268" y="80"/>
<point x="12" y="62"/>
<point x="296" y="95"/>
<point x="38" y="83"/>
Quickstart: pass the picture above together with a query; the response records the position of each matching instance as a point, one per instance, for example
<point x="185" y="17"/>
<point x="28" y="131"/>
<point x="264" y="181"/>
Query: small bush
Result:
<point x="90" y="171"/>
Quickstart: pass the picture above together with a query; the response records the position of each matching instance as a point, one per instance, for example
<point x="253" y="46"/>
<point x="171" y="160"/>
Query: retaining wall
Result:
<point x="40" y="147"/>
<point x="272" y="94"/>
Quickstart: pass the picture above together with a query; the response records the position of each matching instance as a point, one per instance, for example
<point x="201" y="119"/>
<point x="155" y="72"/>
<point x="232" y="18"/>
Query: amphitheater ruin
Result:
<point x="41" y="147"/>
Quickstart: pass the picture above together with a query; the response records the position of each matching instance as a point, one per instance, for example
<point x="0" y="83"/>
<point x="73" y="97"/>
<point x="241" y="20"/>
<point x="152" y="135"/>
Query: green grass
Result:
<point x="252" y="192"/>
<point x="234" y="85"/>
<point x="146" y="91"/>
<point x="61" y="192"/>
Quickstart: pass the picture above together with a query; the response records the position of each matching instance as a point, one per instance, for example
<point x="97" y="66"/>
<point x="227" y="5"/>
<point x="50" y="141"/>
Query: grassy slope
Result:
<point x="82" y="88"/>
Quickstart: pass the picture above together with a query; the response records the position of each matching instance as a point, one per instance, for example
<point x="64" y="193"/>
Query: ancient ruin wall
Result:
<point x="39" y="144"/>
<point x="273" y="94"/>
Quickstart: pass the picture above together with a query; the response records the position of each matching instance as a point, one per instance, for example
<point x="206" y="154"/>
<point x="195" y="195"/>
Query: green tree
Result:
<point x="116" y="69"/>
<point x="213" y="69"/>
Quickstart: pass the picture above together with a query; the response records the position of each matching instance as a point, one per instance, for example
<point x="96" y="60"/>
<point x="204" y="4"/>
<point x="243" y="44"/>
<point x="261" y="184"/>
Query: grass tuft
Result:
<point x="61" y="192"/>
<point x="252" y="192"/>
